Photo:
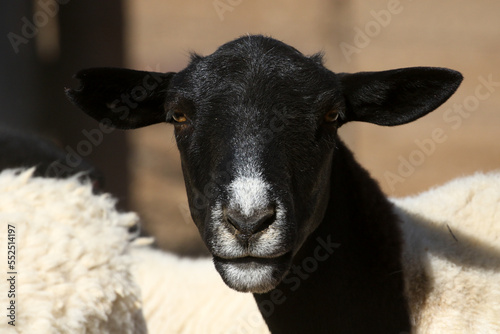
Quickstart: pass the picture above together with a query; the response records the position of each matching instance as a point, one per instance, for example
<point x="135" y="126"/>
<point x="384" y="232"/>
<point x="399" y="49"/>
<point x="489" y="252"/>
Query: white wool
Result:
<point x="451" y="256"/>
<point x="72" y="258"/>
<point x="183" y="295"/>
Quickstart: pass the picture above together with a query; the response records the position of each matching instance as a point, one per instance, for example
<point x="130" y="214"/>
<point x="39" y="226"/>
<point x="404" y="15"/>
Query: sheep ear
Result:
<point x="397" y="96"/>
<point x="122" y="98"/>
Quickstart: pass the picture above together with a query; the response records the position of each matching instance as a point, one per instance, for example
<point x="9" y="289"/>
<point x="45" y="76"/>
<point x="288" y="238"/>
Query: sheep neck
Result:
<point x="347" y="277"/>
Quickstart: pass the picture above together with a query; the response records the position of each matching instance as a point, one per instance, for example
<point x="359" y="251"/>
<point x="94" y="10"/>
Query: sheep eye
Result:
<point x="179" y="117"/>
<point x="331" y="116"/>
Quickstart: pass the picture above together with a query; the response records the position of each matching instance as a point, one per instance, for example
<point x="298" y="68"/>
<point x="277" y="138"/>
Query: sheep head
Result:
<point x="256" y="125"/>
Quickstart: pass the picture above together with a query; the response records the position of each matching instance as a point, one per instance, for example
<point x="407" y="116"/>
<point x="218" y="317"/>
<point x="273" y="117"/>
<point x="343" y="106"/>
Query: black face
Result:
<point x="256" y="137"/>
<point x="256" y="124"/>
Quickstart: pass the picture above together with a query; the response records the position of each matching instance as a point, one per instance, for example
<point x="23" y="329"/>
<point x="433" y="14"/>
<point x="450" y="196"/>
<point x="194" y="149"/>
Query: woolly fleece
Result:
<point x="72" y="258"/>
<point x="451" y="256"/>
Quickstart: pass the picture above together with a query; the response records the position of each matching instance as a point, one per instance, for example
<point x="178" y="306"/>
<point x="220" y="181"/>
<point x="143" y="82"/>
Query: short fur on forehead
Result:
<point x="259" y="55"/>
<point x="259" y="72"/>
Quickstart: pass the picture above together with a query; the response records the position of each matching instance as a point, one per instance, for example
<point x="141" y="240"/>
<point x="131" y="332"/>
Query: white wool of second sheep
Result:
<point x="72" y="261"/>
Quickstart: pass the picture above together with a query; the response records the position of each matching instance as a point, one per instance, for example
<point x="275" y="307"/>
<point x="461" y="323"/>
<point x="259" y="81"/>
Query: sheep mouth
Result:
<point x="250" y="261"/>
<point x="253" y="274"/>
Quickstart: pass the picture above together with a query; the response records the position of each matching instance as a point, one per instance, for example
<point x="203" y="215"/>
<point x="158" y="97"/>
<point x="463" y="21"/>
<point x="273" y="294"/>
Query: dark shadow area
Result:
<point x="45" y="43"/>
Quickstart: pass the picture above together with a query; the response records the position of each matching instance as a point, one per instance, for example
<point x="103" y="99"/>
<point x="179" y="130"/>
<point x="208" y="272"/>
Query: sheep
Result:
<point x="279" y="200"/>
<point x="80" y="269"/>
<point x="71" y="269"/>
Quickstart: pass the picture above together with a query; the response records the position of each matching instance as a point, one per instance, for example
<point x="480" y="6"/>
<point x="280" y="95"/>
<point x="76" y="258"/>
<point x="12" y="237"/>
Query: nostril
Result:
<point x="233" y="221"/>
<point x="252" y="224"/>
<point x="265" y="220"/>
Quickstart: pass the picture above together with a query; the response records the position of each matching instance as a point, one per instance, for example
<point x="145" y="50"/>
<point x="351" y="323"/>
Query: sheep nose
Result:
<point x="248" y="225"/>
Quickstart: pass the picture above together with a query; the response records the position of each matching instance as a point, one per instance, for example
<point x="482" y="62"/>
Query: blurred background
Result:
<point x="47" y="41"/>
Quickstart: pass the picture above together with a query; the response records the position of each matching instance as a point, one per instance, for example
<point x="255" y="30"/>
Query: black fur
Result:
<point x="397" y="96"/>
<point x="256" y="94"/>
<point x="359" y="287"/>
<point x="108" y="94"/>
